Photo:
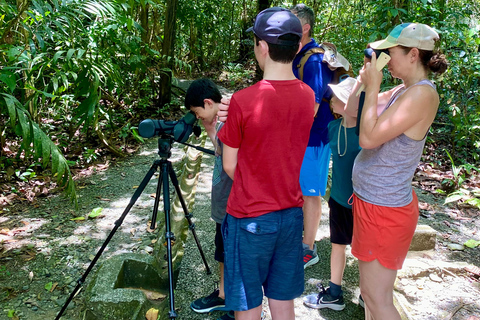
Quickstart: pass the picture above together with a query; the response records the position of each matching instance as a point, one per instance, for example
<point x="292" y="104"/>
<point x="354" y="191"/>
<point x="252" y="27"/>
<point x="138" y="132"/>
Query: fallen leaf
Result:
<point x="133" y="231"/>
<point x="54" y="286"/>
<point x="152" y="314"/>
<point x="78" y="219"/>
<point x="95" y="213"/>
<point x="48" y="286"/>
<point x="472" y="243"/>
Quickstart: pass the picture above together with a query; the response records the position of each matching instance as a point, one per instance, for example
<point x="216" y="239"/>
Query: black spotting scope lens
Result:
<point x="180" y="130"/>
<point x="368" y="52"/>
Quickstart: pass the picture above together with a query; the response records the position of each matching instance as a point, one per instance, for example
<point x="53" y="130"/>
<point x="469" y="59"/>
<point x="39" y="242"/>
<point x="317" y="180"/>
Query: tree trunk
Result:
<point x="244" y="49"/>
<point x="262" y="5"/>
<point x="399" y="4"/>
<point x="168" y="49"/>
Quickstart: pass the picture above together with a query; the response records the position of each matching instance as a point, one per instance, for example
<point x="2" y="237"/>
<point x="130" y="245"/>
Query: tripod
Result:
<point x="166" y="171"/>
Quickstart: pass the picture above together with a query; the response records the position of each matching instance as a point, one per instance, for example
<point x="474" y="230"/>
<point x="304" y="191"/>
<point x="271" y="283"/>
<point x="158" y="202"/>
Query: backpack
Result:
<point x="336" y="62"/>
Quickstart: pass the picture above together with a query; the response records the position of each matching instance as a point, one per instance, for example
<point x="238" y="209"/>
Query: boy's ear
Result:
<point x="306" y="28"/>
<point x="264" y="47"/>
<point x="207" y="102"/>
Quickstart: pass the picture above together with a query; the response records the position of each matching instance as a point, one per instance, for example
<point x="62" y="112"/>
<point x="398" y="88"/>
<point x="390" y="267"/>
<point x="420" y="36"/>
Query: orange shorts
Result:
<point x="383" y="233"/>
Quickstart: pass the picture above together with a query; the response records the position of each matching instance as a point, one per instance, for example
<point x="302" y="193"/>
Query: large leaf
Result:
<point x="43" y="146"/>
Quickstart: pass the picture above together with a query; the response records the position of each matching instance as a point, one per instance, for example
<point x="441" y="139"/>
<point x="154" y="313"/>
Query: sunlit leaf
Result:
<point x="95" y="212"/>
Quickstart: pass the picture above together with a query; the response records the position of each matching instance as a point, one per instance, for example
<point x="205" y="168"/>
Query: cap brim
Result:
<point x="382" y="44"/>
<point x="250" y="29"/>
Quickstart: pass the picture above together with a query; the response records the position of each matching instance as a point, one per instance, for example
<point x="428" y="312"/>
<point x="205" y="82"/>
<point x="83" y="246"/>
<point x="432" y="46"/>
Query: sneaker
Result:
<point x="324" y="299"/>
<point x="310" y="257"/>
<point x="209" y="303"/>
<point x="230" y="315"/>
<point x="361" y="303"/>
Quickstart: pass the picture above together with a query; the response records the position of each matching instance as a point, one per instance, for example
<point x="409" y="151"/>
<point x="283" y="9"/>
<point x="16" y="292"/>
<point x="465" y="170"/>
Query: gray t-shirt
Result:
<point x="221" y="183"/>
<point x="383" y="176"/>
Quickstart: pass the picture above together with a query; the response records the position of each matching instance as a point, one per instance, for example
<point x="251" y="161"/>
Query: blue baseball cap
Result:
<point x="274" y="22"/>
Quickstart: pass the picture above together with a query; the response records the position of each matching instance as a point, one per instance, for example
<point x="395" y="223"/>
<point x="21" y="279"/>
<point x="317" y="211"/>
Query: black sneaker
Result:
<point x="209" y="303"/>
<point x="324" y="300"/>
<point x="230" y="315"/>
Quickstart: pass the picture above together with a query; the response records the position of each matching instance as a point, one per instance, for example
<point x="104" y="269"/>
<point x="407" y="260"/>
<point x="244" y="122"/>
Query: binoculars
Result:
<point x="368" y="52"/>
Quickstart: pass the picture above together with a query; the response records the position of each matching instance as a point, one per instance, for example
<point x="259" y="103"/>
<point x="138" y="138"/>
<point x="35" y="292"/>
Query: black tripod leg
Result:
<point x="188" y="215"/>
<point x="157" y="201"/>
<point x="169" y="236"/>
<point x="118" y="223"/>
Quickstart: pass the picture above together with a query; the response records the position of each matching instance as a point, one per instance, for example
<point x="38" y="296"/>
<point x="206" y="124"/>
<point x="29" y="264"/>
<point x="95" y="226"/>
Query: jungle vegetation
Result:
<point x="76" y="76"/>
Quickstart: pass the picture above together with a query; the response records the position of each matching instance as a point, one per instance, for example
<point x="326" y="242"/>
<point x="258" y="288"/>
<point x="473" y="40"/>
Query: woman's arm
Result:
<point x="411" y="114"/>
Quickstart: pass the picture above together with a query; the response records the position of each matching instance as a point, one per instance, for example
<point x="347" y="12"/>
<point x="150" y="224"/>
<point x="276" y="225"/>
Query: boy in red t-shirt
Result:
<point x="265" y="138"/>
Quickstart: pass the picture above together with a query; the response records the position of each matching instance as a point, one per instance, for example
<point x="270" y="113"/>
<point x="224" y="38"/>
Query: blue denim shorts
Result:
<point x="263" y="255"/>
<point x="314" y="171"/>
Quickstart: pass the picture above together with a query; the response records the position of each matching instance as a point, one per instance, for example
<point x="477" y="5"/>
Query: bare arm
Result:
<point x="411" y="114"/>
<point x="230" y="157"/>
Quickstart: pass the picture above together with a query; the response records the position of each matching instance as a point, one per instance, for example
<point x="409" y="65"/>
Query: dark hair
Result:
<point x="282" y="53"/>
<point x="305" y="14"/>
<point x="434" y="61"/>
<point x="200" y="90"/>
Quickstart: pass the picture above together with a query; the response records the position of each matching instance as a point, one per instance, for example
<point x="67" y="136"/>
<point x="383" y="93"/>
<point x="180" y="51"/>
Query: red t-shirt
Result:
<point x="269" y="123"/>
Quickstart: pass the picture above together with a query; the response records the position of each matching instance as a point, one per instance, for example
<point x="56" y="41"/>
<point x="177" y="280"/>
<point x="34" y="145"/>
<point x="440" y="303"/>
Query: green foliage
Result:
<point x="472" y="243"/>
<point x="460" y="194"/>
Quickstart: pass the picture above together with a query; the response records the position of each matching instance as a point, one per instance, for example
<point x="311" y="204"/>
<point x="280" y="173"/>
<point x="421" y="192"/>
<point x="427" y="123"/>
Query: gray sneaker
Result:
<point x="361" y="303"/>
<point x="310" y="257"/>
<point x="324" y="299"/>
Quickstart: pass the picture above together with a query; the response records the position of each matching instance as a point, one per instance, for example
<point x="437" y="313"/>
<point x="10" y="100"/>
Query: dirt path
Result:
<point x="43" y="251"/>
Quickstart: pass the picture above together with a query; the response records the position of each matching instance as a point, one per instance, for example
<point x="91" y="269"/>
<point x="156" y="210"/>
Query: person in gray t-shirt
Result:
<point x="203" y="98"/>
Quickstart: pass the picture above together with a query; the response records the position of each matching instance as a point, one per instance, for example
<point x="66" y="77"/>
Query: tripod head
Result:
<point x="165" y="146"/>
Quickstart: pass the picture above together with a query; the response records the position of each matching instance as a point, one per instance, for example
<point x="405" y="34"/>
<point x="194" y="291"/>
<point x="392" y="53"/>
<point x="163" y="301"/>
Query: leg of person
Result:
<point x="313" y="181"/>
<point x="281" y="309"/>
<point x="376" y="285"/>
<point x="337" y="263"/>
<point x="252" y="314"/>
<point x="368" y="314"/>
<point x="312" y="213"/>
<point x="221" y="285"/>
<point x="215" y="300"/>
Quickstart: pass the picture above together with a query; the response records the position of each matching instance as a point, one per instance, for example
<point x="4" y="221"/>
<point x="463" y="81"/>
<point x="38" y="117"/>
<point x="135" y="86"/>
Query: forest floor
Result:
<point x="46" y="245"/>
<point x="44" y="250"/>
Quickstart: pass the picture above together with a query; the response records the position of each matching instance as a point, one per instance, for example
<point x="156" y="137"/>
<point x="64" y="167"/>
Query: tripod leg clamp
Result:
<point x="170" y="236"/>
<point x="192" y="226"/>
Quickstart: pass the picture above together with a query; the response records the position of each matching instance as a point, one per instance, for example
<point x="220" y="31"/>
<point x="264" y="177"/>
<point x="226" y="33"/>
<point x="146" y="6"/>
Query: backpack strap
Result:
<point x="305" y="58"/>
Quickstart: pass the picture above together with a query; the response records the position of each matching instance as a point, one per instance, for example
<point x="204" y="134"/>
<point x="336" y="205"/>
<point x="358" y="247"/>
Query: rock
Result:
<point x="455" y="247"/>
<point x="435" y="278"/>
<point x="423" y="239"/>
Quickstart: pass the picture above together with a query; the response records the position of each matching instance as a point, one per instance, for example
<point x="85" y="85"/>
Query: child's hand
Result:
<point x="210" y="125"/>
<point x="223" y="109"/>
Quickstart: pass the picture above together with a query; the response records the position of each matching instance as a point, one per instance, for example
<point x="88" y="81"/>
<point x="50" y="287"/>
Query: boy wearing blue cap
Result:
<point x="265" y="138"/>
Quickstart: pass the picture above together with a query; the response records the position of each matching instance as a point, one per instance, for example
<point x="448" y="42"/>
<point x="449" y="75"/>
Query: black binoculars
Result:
<point x="368" y="52"/>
